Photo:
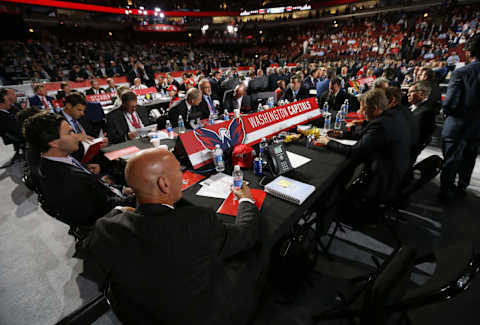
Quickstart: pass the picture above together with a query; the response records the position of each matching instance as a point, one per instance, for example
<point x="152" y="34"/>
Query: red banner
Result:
<point x="249" y="129"/>
<point x="159" y="28"/>
<point x="99" y="98"/>
<point x="143" y="92"/>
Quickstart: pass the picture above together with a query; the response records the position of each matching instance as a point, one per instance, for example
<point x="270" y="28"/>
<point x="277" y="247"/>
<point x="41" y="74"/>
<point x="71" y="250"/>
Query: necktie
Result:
<point x="111" y="188"/>
<point x="135" y="123"/>
<point x="76" y="126"/>
<point x="210" y="103"/>
<point x="45" y="103"/>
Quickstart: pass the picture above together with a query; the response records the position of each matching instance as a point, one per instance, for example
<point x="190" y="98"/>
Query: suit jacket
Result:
<point x="76" y="197"/>
<point x="463" y="93"/>
<point x="309" y="84"/>
<point x="302" y="94"/>
<point x="230" y="103"/>
<point x="165" y="264"/>
<point x="180" y="108"/>
<point x="272" y="81"/>
<point x="216" y="89"/>
<point x="205" y="110"/>
<point x="336" y="104"/>
<point x="117" y="126"/>
<point x="10" y="130"/>
<point x="424" y="118"/>
<point x="115" y="70"/>
<point x="384" y="147"/>
<point x="87" y="127"/>
<point x="101" y="74"/>
<point x="36" y="101"/>
<point x="91" y="91"/>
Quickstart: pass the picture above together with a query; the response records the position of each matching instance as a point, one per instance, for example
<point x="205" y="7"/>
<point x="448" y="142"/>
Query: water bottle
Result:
<point x="218" y="159"/>
<point x="181" y="125"/>
<point x="325" y="108"/>
<point x="262" y="146"/>
<point x="327" y="122"/>
<point x="211" y="119"/>
<point x="270" y="102"/>
<point x="338" y="121"/>
<point x="347" y="106"/>
<point x="226" y="117"/>
<point x="260" y="108"/>
<point x="198" y="123"/>
<point x="169" y="128"/>
<point x="237" y="177"/>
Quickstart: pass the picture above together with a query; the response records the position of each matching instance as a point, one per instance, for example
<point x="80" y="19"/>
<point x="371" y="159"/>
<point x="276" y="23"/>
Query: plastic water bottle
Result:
<point x="218" y="159"/>
<point x="347" y="106"/>
<point x="226" y="117"/>
<point x="211" y="119"/>
<point x="181" y="125"/>
<point x="325" y="108"/>
<point x="262" y="146"/>
<point x="260" y="108"/>
<point x="169" y="128"/>
<point x="338" y="121"/>
<point x="198" y="123"/>
<point x="270" y="102"/>
<point x="237" y="177"/>
<point x="327" y="124"/>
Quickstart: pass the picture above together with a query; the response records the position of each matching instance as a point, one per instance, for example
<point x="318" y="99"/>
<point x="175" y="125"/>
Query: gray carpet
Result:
<point x="40" y="281"/>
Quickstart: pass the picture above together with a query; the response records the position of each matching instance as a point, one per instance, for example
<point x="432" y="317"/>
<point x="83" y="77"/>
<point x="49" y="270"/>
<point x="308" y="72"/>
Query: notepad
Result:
<point x="346" y="142"/>
<point x="289" y="189"/>
<point x="91" y="148"/>
<point x="230" y="205"/>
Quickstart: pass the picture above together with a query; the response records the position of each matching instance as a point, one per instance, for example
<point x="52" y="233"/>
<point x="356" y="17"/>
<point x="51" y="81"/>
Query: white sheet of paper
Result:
<point x="297" y="160"/>
<point x="217" y="186"/>
<point x="346" y="142"/>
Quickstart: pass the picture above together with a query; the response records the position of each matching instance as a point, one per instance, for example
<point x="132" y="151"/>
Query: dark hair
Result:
<point x="3" y="93"/>
<point x="25" y="113"/>
<point x="63" y="85"/>
<point x="42" y="128"/>
<point x="430" y="73"/>
<point x="393" y="92"/>
<point x="128" y="96"/>
<point x="75" y="99"/>
<point x="336" y="80"/>
<point x="473" y="46"/>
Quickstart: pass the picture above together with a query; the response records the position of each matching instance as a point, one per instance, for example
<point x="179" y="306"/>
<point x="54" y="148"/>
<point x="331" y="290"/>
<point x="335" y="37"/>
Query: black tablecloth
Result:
<point x="278" y="215"/>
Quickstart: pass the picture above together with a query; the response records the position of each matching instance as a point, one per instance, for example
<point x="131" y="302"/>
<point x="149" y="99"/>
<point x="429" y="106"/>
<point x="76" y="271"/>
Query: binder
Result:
<point x="289" y="189"/>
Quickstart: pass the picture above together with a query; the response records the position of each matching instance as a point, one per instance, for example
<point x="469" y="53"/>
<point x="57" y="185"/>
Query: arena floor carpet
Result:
<point x="40" y="281"/>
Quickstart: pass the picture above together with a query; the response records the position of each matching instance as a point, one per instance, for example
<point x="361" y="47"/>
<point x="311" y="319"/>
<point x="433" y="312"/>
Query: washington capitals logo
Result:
<point x="226" y="137"/>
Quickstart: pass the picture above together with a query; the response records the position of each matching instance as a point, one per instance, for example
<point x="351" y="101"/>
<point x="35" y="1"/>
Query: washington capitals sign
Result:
<point x="226" y="137"/>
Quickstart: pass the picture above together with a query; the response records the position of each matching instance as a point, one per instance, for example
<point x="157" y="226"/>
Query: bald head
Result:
<point x="155" y="176"/>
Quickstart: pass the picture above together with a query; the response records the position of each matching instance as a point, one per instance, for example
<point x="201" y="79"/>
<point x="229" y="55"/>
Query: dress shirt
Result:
<point x="239" y="102"/>
<point x="209" y="101"/>
<point x="413" y="107"/>
<point x="128" y="117"/>
<point x="139" y="87"/>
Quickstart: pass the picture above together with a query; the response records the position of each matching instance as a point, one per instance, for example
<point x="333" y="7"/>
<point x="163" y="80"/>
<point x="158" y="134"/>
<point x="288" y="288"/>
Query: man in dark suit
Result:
<point x="295" y="91"/>
<point x="423" y="112"/>
<point x="64" y="91"/>
<point x="273" y="77"/>
<point x="166" y="260"/>
<point x="237" y="99"/>
<point x="384" y="149"/>
<point x="335" y="96"/>
<point x="10" y="128"/>
<point x="73" y="113"/>
<point x="138" y="71"/>
<point x="95" y="89"/>
<point x="206" y="106"/>
<point x="461" y="129"/>
<point x="310" y="82"/>
<point x="102" y="71"/>
<point x="77" y="74"/>
<point x="435" y="98"/>
<point x="123" y="121"/>
<point x="188" y="108"/>
<point x="40" y="99"/>
<point x="73" y="192"/>
<point x="259" y="83"/>
<point x="115" y="70"/>
<point x="215" y="84"/>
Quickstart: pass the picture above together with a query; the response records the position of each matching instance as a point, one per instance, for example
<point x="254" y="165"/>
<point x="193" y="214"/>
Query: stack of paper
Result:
<point x="216" y="186"/>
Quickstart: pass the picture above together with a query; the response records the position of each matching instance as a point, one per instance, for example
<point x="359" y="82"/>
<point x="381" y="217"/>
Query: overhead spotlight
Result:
<point x="76" y="25"/>
<point x="145" y="12"/>
<point x="336" y="25"/>
<point x="230" y="28"/>
<point x="110" y="34"/>
<point x="189" y="34"/>
<point x="260" y="32"/>
<point x="425" y="15"/>
<point x="157" y="9"/>
<point x="141" y="7"/>
<point x="61" y="23"/>
<point x="205" y="27"/>
<point x="30" y="30"/>
<point x="235" y="29"/>
<point x="334" y="21"/>
<point x="162" y="15"/>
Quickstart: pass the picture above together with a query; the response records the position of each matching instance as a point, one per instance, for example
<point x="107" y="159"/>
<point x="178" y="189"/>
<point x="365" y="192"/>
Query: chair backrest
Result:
<point x="422" y="173"/>
<point x="388" y="287"/>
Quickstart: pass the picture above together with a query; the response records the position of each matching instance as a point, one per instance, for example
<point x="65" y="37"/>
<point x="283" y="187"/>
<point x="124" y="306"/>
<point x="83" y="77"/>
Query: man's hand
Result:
<point x="104" y="142"/>
<point x="84" y="137"/>
<point x="322" y="141"/>
<point x="127" y="190"/>
<point x="243" y="192"/>
<point x="334" y="133"/>
<point x="94" y="168"/>
<point x="132" y="135"/>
